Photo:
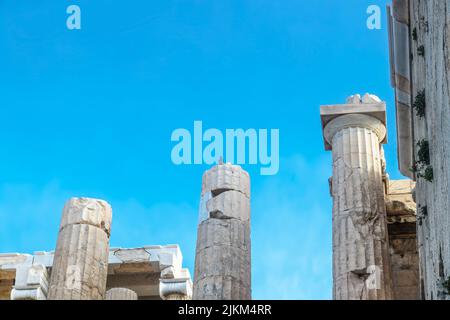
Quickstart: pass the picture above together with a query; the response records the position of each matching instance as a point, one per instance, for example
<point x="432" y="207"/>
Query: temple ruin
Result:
<point x="84" y="267"/>
<point x="390" y="237"/>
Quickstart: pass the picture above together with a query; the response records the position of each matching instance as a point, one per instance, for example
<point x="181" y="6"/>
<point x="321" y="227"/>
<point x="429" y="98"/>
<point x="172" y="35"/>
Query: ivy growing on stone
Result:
<point x="423" y="213"/>
<point x="426" y="174"/>
<point x="446" y="285"/>
<point x="423" y="153"/>
<point x="420" y="104"/>
<point x="421" y="51"/>
<point x="414" y="34"/>
<point x="422" y="167"/>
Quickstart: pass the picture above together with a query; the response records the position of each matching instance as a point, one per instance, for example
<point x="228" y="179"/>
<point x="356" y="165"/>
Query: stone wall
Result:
<point x="427" y="36"/>
<point x="404" y="258"/>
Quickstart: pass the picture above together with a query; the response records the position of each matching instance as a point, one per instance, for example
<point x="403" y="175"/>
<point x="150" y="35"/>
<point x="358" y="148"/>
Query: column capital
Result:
<point x="353" y="121"/>
<point x="366" y="112"/>
<point x="176" y="289"/>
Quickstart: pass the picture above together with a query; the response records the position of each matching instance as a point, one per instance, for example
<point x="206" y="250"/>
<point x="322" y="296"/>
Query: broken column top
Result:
<point x="368" y="105"/>
<point x="226" y="176"/>
<point x="94" y="212"/>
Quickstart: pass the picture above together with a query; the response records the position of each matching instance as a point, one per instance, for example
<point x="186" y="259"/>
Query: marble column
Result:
<point x="354" y="133"/>
<point x="222" y="262"/>
<point x="81" y="258"/>
<point x="121" y="294"/>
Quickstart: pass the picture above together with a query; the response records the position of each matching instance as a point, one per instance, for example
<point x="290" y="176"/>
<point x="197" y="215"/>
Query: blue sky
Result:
<point x="90" y="113"/>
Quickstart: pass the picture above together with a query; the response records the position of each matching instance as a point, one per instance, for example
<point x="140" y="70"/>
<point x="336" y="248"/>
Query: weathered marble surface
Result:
<point x="121" y="294"/>
<point x="429" y="60"/>
<point x="223" y="259"/>
<point x="153" y="272"/>
<point x="361" y="267"/>
<point x="80" y="264"/>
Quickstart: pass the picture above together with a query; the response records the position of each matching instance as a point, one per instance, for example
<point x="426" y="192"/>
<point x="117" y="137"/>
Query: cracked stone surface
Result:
<point x="420" y="48"/>
<point x="80" y="263"/>
<point x="360" y="240"/>
<point x="223" y="260"/>
<point x="432" y="73"/>
<point x="226" y="177"/>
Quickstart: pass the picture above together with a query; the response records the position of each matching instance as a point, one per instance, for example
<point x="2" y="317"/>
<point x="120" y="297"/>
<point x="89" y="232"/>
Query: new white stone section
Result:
<point x="11" y="260"/>
<point x="371" y="98"/>
<point x="229" y="205"/>
<point x="31" y="283"/>
<point x="166" y="260"/>
<point x="354" y="99"/>
<point x="32" y="294"/>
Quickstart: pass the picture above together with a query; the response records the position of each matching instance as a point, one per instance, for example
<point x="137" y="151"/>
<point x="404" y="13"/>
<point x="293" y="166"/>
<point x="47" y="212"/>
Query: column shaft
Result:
<point x="360" y="245"/>
<point x="222" y="263"/>
<point x="80" y="263"/>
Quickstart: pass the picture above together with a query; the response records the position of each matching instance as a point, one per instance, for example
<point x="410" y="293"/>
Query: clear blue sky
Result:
<point x="90" y="112"/>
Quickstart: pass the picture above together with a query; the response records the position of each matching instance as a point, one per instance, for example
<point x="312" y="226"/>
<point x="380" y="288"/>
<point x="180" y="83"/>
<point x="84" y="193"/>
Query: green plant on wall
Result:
<point x="423" y="152"/>
<point x="414" y="34"/>
<point x="426" y="174"/>
<point x="421" y="51"/>
<point x="422" y="167"/>
<point x="422" y="214"/>
<point x="420" y="104"/>
<point x="446" y="285"/>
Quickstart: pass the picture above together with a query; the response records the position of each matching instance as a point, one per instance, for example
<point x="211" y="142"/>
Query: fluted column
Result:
<point x="80" y="263"/>
<point x="361" y="269"/>
<point x="222" y="262"/>
<point x="121" y="294"/>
